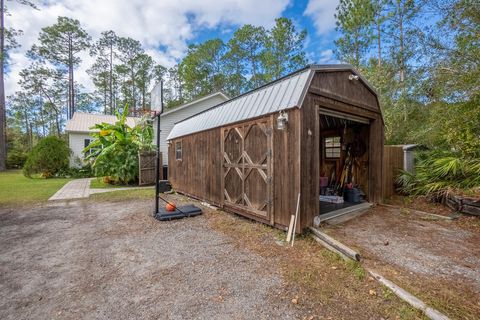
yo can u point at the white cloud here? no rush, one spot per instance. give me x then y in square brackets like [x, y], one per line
[322, 14]
[169, 24]
[327, 57]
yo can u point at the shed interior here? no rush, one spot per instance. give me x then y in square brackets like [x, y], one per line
[344, 146]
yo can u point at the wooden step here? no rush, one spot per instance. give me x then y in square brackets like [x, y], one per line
[346, 213]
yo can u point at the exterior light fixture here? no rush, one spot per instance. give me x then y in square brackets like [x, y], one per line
[352, 77]
[282, 120]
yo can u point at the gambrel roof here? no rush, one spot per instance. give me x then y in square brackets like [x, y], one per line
[282, 94]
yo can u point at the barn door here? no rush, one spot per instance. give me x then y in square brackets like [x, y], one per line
[247, 168]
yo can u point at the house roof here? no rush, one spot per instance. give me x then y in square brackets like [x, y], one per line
[82, 122]
[188, 104]
[282, 94]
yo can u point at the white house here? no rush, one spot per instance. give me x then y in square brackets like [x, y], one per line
[169, 118]
[78, 129]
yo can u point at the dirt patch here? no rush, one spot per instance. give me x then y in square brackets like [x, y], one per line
[105, 258]
[322, 285]
[420, 203]
[438, 260]
[112, 260]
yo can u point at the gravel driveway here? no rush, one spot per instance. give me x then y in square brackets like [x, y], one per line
[114, 261]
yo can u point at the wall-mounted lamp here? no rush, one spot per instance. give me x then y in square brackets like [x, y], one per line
[282, 120]
[352, 77]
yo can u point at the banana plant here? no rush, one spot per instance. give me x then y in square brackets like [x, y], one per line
[114, 149]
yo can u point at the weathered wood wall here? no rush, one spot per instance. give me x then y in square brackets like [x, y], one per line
[203, 172]
[198, 174]
[146, 168]
[392, 163]
[309, 162]
[286, 169]
[293, 165]
[247, 168]
[333, 90]
[335, 85]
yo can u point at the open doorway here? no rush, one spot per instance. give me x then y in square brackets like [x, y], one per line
[344, 163]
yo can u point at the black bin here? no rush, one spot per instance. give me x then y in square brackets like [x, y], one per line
[353, 195]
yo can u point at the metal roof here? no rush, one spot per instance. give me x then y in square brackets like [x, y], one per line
[190, 103]
[284, 93]
[82, 122]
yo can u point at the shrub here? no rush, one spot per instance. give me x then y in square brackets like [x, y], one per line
[16, 159]
[115, 148]
[49, 156]
[440, 172]
[77, 173]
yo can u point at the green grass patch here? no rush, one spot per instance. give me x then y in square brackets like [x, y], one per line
[15, 188]
[98, 183]
[125, 195]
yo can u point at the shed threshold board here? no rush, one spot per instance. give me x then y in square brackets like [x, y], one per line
[348, 208]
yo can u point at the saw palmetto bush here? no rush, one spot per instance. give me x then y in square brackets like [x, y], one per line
[440, 172]
[114, 149]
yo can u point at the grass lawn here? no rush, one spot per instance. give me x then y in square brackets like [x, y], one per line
[99, 184]
[122, 195]
[17, 189]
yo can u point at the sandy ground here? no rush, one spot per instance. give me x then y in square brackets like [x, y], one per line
[438, 257]
[114, 261]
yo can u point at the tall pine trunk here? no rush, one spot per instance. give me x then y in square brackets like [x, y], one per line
[134, 103]
[71, 94]
[401, 38]
[111, 79]
[379, 42]
[3, 133]
[105, 104]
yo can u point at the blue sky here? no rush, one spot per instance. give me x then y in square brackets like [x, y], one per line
[166, 27]
[319, 45]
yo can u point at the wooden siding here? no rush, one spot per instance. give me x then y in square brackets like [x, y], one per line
[392, 163]
[294, 163]
[309, 162]
[335, 85]
[199, 172]
[286, 169]
[247, 167]
[375, 192]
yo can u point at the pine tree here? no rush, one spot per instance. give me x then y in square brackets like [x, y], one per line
[103, 69]
[5, 35]
[284, 49]
[354, 19]
[60, 44]
[202, 69]
[128, 52]
[246, 50]
[46, 83]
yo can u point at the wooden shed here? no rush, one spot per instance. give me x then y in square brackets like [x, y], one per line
[314, 132]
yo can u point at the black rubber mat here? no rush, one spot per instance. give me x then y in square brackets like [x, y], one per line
[181, 212]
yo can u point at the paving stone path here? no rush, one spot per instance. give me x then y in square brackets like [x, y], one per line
[80, 188]
[75, 189]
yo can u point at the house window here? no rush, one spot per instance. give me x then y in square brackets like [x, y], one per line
[332, 147]
[178, 150]
[86, 142]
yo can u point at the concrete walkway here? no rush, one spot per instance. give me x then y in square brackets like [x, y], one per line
[80, 189]
[75, 189]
